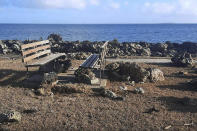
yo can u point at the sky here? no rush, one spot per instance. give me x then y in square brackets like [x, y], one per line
[98, 11]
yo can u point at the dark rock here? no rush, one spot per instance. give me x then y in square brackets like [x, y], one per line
[84, 75]
[184, 60]
[55, 38]
[121, 72]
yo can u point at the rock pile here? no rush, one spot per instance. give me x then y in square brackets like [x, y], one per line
[184, 60]
[126, 72]
[115, 48]
[10, 46]
[133, 72]
[84, 75]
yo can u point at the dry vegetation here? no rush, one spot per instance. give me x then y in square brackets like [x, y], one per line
[89, 111]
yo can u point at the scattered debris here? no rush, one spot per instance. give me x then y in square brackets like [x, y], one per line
[167, 127]
[110, 94]
[124, 88]
[66, 89]
[40, 91]
[149, 111]
[139, 90]
[182, 72]
[186, 124]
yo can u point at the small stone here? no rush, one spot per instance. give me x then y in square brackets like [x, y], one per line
[11, 116]
[131, 83]
[124, 88]
[40, 91]
[183, 73]
[139, 90]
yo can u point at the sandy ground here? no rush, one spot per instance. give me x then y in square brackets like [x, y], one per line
[88, 111]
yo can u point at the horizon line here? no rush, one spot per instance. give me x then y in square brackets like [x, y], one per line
[95, 23]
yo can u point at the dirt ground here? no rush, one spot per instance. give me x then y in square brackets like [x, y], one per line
[88, 111]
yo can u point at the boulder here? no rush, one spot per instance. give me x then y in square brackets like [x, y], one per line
[84, 75]
[126, 71]
[183, 60]
[156, 75]
[10, 116]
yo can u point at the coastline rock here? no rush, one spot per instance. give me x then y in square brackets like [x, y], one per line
[184, 60]
[55, 38]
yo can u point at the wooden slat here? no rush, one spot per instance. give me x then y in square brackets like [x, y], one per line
[45, 60]
[26, 59]
[24, 53]
[94, 62]
[86, 61]
[25, 46]
[91, 61]
[105, 44]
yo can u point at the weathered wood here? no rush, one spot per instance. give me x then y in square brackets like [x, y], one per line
[27, 52]
[44, 60]
[105, 44]
[25, 46]
[91, 61]
[26, 59]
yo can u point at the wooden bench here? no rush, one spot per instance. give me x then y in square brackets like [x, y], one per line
[38, 54]
[93, 59]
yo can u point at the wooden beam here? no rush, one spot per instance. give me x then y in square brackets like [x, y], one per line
[26, 59]
[25, 46]
[24, 53]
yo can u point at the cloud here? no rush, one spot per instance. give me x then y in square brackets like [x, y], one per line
[114, 5]
[78, 4]
[94, 2]
[177, 7]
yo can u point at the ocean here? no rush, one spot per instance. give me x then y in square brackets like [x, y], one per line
[153, 33]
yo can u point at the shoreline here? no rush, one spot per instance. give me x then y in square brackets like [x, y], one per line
[82, 49]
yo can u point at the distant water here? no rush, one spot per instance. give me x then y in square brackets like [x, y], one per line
[123, 32]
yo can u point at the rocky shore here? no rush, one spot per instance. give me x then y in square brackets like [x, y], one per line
[81, 49]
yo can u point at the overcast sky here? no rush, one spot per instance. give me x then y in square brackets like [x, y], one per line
[98, 11]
